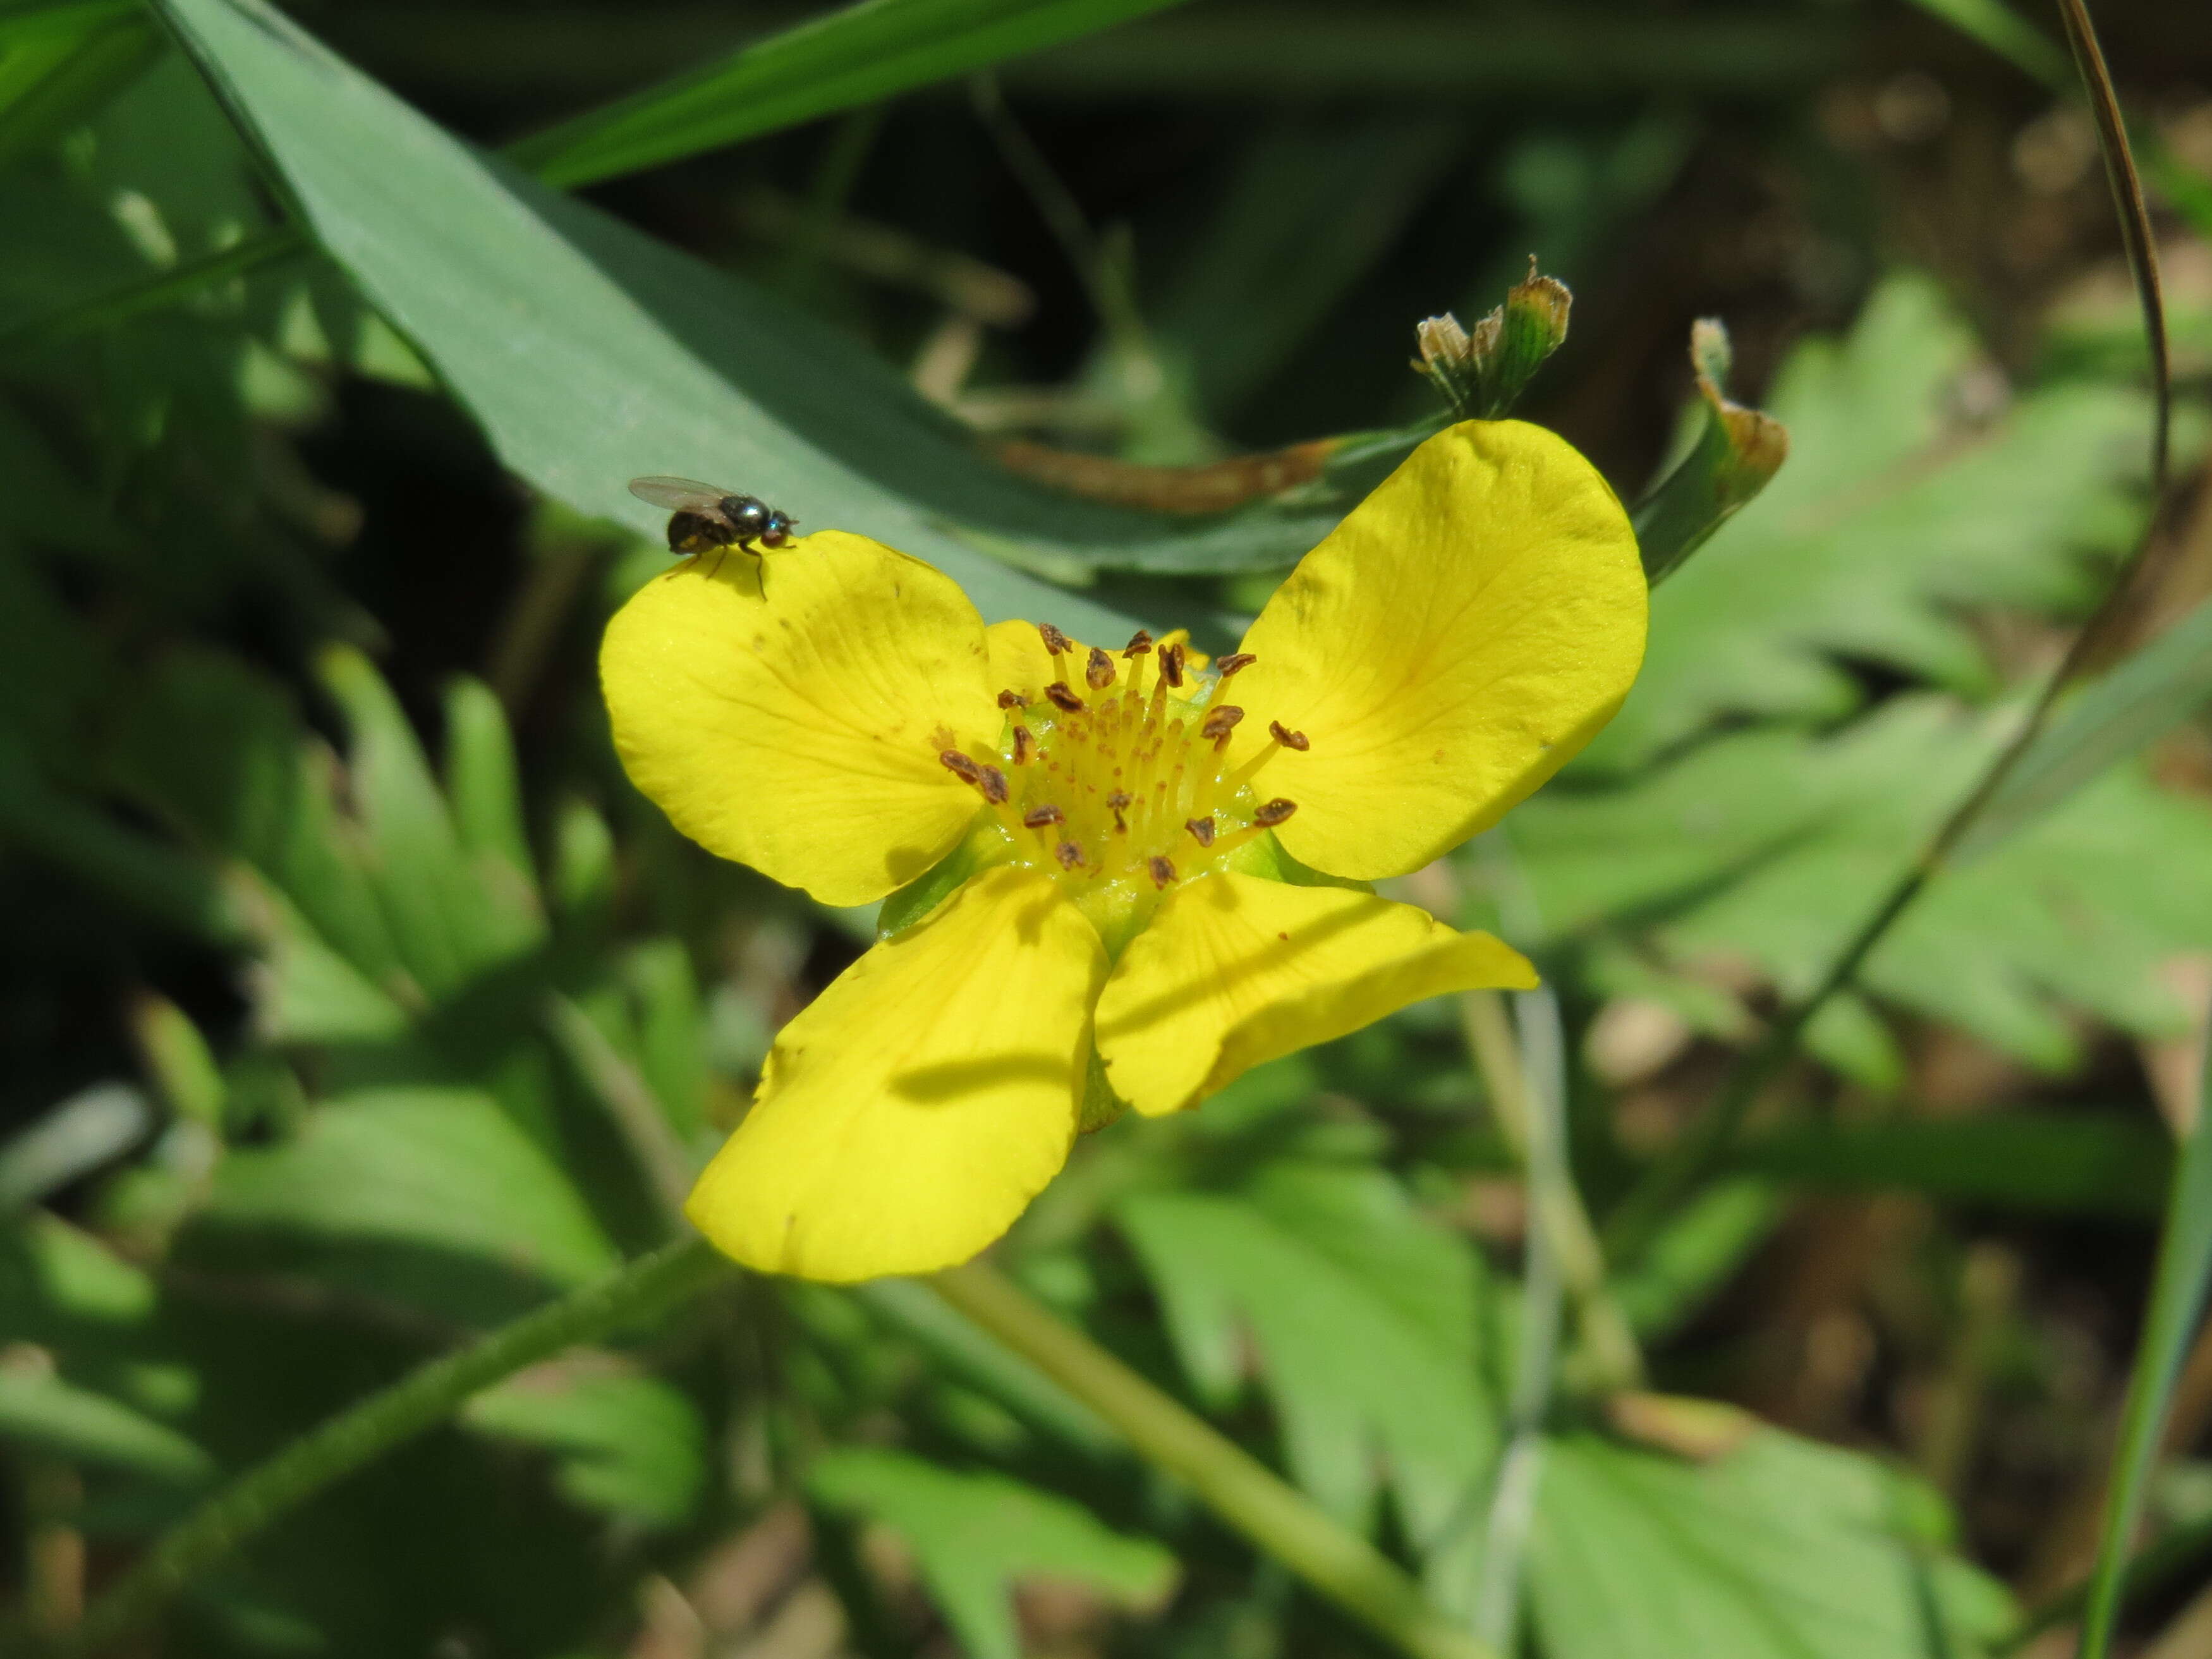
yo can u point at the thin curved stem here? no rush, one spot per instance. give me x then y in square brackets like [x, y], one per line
[345, 1442]
[1236, 1485]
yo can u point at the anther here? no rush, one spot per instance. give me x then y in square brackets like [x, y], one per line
[1220, 722]
[1288, 738]
[1037, 817]
[1201, 830]
[1012, 700]
[961, 766]
[1069, 854]
[1054, 641]
[1140, 642]
[1233, 661]
[1099, 672]
[1274, 812]
[1163, 872]
[1171, 663]
[1024, 745]
[992, 783]
[1063, 699]
[1116, 803]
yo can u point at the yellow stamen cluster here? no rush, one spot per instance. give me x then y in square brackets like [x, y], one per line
[1122, 786]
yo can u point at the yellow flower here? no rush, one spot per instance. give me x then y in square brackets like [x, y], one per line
[1109, 855]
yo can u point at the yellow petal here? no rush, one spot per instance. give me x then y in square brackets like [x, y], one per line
[1450, 646]
[1235, 969]
[799, 733]
[914, 1109]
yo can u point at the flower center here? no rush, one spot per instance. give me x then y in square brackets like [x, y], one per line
[1116, 783]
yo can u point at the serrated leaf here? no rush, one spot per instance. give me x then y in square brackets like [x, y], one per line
[57, 1417]
[449, 923]
[1362, 1317]
[1778, 1548]
[431, 1197]
[628, 1444]
[1771, 846]
[975, 1536]
[1890, 514]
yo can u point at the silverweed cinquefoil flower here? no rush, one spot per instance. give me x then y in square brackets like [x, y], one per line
[1128, 876]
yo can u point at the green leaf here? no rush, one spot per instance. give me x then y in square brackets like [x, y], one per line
[1778, 1547]
[630, 1445]
[450, 924]
[1361, 1313]
[482, 782]
[2042, 1162]
[431, 1197]
[59, 63]
[855, 56]
[91, 1127]
[2131, 707]
[1891, 515]
[612, 355]
[2176, 1301]
[1771, 846]
[975, 1536]
[57, 1417]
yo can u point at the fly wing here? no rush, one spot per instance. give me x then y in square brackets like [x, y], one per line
[679, 495]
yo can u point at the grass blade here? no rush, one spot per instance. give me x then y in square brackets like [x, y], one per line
[2177, 1297]
[856, 56]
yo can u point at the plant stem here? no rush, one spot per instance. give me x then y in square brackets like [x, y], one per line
[1239, 1489]
[355, 1436]
[1614, 1357]
[155, 293]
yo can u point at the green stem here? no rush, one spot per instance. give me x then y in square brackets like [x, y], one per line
[355, 1436]
[1236, 1486]
[1613, 1358]
[155, 293]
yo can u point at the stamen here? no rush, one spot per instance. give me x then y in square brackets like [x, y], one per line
[1012, 700]
[1055, 642]
[1163, 872]
[992, 783]
[1171, 664]
[1220, 722]
[1274, 812]
[1289, 738]
[962, 767]
[1069, 854]
[1116, 803]
[1235, 661]
[1140, 642]
[1063, 699]
[1024, 745]
[1099, 672]
[1038, 817]
[1201, 830]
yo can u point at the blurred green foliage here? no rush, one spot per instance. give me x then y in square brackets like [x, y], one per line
[356, 1006]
